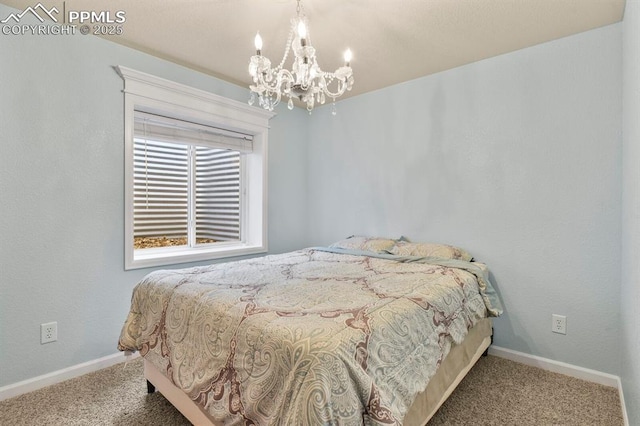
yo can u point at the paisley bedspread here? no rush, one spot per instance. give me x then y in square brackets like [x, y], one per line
[309, 337]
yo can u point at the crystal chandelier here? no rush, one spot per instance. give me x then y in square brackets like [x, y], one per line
[306, 80]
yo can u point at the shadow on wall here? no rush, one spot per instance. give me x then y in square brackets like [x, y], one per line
[504, 325]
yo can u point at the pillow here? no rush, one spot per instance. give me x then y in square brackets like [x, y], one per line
[374, 244]
[442, 251]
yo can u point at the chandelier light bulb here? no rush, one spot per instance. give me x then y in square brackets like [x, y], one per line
[347, 57]
[302, 30]
[258, 43]
[302, 33]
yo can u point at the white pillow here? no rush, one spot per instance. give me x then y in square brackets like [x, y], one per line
[374, 244]
[442, 251]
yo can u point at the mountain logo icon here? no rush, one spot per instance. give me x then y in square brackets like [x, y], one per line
[43, 11]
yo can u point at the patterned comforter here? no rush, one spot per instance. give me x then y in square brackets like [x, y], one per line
[308, 337]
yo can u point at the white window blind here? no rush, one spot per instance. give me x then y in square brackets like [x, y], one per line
[187, 181]
[160, 189]
[217, 194]
[168, 129]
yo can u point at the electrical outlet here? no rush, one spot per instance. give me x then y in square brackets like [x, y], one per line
[559, 324]
[48, 332]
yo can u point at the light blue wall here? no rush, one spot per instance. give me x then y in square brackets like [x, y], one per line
[515, 158]
[630, 294]
[61, 190]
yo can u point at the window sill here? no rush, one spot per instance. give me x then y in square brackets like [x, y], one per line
[147, 258]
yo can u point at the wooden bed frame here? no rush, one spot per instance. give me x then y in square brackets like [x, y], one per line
[452, 370]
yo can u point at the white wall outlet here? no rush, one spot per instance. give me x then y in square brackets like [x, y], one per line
[559, 324]
[48, 332]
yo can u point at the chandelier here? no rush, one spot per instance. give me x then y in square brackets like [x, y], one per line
[306, 80]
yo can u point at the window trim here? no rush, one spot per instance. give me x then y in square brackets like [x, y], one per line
[153, 94]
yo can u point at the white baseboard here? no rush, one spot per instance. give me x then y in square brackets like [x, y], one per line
[564, 368]
[624, 407]
[52, 378]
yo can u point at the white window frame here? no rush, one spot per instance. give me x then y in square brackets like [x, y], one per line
[159, 96]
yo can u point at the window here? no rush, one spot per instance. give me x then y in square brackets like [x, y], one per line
[186, 194]
[195, 174]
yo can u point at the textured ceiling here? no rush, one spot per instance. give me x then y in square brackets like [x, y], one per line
[392, 40]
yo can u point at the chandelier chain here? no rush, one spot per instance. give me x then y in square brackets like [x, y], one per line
[286, 49]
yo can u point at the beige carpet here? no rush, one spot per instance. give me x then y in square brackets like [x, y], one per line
[496, 392]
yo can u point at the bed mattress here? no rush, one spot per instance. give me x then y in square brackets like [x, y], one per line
[315, 336]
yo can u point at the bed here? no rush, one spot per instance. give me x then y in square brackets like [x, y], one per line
[365, 331]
